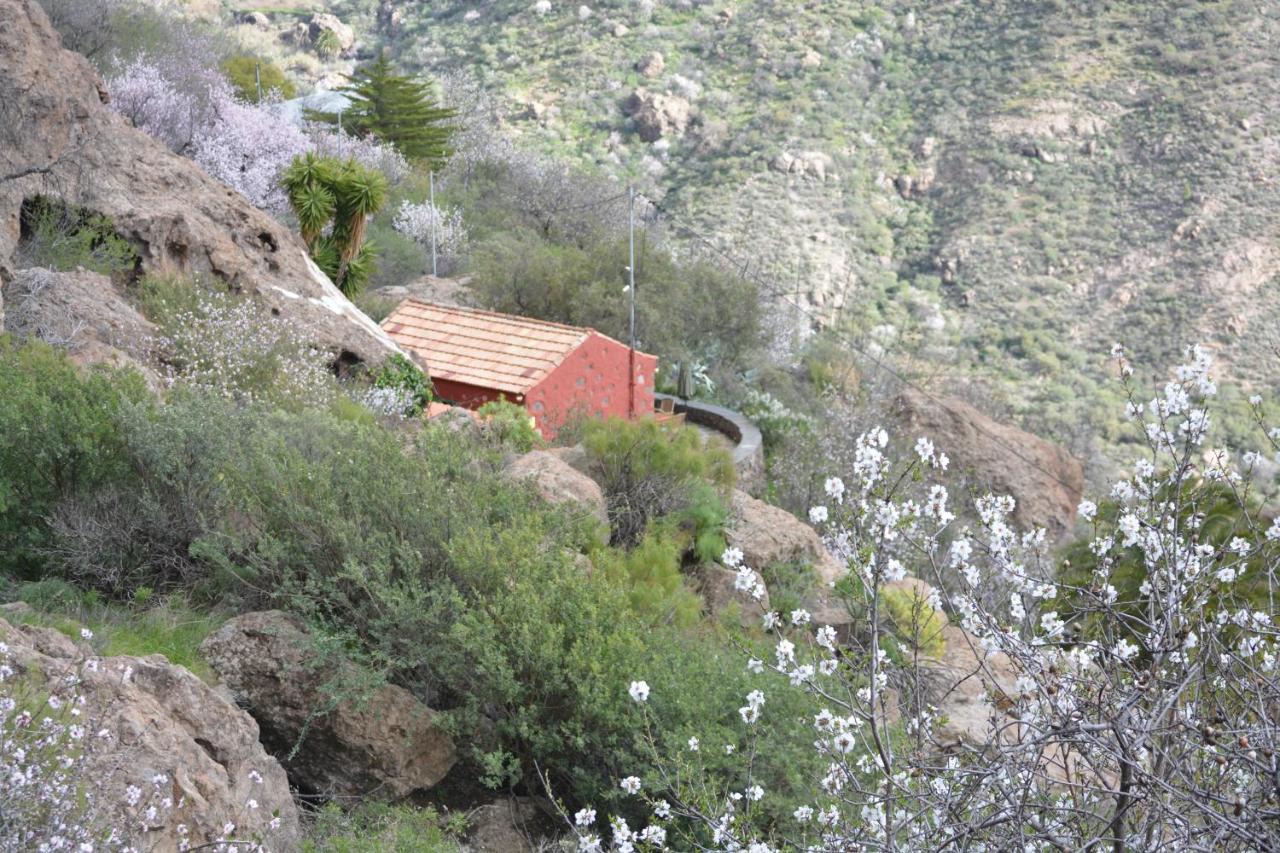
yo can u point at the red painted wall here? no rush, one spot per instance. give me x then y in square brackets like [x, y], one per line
[591, 382]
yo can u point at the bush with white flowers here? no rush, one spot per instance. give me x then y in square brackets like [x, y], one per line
[1137, 716]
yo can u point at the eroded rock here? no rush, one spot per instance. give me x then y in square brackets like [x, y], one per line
[386, 744]
[59, 141]
[657, 115]
[560, 483]
[83, 312]
[1045, 481]
[160, 720]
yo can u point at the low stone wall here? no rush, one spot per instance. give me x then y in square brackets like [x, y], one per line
[748, 445]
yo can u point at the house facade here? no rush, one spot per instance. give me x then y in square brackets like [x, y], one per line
[555, 372]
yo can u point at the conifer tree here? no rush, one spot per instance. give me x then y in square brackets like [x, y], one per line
[397, 110]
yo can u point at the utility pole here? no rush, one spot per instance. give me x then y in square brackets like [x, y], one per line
[435, 217]
[631, 291]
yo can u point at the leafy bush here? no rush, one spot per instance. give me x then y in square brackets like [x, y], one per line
[63, 237]
[144, 528]
[59, 439]
[510, 426]
[650, 572]
[402, 377]
[374, 828]
[245, 73]
[648, 470]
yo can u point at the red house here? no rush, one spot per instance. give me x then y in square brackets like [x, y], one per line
[554, 371]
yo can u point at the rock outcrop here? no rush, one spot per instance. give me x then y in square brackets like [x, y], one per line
[961, 683]
[152, 720]
[716, 585]
[385, 743]
[767, 534]
[657, 115]
[560, 483]
[83, 312]
[651, 65]
[323, 22]
[1045, 481]
[512, 825]
[59, 141]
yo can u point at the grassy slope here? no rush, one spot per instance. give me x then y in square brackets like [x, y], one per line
[1100, 170]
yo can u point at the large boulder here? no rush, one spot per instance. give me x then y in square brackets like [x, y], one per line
[767, 534]
[717, 585]
[59, 141]
[560, 483]
[386, 743]
[158, 728]
[1045, 481]
[513, 825]
[963, 682]
[324, 22]
[83, 312]
[657, 115]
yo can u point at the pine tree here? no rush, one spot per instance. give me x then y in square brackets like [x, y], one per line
[396, 109]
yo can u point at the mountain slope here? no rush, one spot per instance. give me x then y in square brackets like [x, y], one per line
[1002, 187]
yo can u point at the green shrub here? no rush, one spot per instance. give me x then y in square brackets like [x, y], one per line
[63, 237]
[59, 438]
[379, 828]
[244, 72]
[401, 375]
[789, 584]
[510, 426]
[650, 573]
[649, 470]
[145, 531]
[916, 625]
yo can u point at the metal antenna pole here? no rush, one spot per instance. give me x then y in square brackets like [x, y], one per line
[435, 215]
[257, 78]
[631, 291]
[631, 268]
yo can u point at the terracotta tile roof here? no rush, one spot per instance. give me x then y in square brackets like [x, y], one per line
[482, 348]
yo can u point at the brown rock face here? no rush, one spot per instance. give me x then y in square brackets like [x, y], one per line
[961, 683]
[58, 140]
[163, 720]
[716, 585]
[657, 115]
[512, 825]
[1045, 481]
[768, 534]
[388, 743]
[558, 482]
[83, 312]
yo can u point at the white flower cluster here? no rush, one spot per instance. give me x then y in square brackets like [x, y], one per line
[1132, 698]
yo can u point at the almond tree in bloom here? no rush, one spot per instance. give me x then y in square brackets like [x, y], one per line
[193, 110]
[1121, 715]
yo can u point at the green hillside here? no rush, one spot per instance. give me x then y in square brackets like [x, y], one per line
[1010, 186]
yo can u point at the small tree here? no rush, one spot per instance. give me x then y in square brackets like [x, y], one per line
[395, 109]
[339, 195]
[247, 72]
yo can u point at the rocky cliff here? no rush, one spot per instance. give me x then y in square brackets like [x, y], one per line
[58, 141]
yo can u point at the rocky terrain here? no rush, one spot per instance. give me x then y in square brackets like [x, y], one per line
[60, 143]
